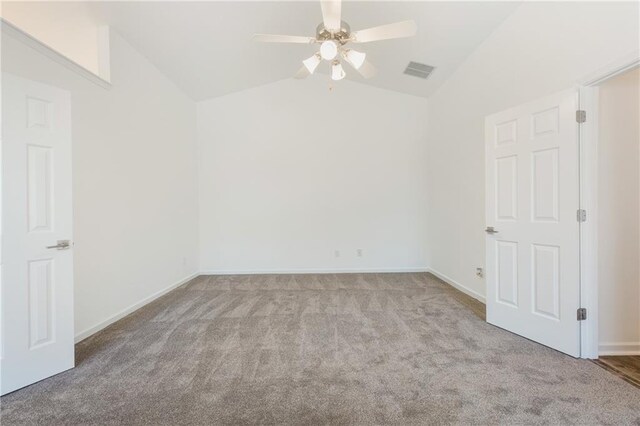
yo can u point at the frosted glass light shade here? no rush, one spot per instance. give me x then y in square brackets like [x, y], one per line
[312, 63]
[328, 50]
[337, 73]
[355, 58]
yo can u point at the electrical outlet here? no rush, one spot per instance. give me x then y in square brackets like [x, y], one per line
[480, 272]
[359, 252]
[336, 253]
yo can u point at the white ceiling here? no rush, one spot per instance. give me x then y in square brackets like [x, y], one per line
[206, 48]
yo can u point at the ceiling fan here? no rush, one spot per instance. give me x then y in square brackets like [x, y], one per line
[333, 35]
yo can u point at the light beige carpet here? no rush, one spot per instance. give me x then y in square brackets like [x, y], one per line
[319, 349]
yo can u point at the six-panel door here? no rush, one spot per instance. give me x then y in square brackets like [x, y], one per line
[37, 282]
[532, 190]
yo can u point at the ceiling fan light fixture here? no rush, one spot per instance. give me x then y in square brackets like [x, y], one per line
[333, 34]
[337, 73]
[355, 58]
[328, 50]
[312, 63]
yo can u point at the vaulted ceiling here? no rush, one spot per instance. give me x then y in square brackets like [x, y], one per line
[206, 48]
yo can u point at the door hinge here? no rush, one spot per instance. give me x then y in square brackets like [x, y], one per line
[581, 116]
[582, 314]
[581, 215]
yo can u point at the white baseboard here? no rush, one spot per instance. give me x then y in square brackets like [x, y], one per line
[619, 348]
[92, 330]
[457, 285]
[312, 271]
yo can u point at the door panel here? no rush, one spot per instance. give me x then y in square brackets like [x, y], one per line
[41, 328]
[507, 272]
[545, 185]
[37, 282]
[507, 188]
[39, 188]
[532, 198]
[546, 280]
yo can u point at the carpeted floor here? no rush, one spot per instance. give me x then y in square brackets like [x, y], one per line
[319, 349]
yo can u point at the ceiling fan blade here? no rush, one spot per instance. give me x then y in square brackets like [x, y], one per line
[331, 14]
[385, 32]
[303, 72]
[275, 38]
[367, 70]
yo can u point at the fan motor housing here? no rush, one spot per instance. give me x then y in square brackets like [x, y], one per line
[341, 36]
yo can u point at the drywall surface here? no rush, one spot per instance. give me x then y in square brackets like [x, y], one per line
[619, 213]
[134, 180]
[540, 49]
[296, 178]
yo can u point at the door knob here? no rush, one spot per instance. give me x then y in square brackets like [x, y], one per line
[490, 230]
[62, 245]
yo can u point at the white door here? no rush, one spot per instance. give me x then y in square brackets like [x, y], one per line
[37, 279]
[532, 241]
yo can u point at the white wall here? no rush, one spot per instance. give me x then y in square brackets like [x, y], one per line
[540, 49]
[134, 180]
[290, 172]
[619, 214]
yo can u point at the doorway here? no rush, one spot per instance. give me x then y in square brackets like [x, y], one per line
[618, 223]
[511, 276]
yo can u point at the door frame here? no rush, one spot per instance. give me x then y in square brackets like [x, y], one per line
[588, 136]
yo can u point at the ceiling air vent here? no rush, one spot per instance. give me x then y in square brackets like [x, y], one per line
[419, 70]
